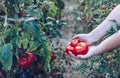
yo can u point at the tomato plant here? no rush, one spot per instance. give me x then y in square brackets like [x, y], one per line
[27, 60]
[28, 26]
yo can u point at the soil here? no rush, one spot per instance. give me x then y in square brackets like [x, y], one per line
[68, 31]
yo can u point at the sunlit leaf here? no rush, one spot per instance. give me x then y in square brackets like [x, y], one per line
[57, 33]
[6, 56]
[26, 26]
[33, 45]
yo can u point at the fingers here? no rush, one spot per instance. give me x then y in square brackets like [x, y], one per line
[82, 57]
[81, 37]
[78, 57]
[89, 54]
[71, 55]
[76, 37]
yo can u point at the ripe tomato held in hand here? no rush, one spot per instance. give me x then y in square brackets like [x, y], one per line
[77, 47]
[26, 61]
[69, 49]
[74, 42]
[81, 48]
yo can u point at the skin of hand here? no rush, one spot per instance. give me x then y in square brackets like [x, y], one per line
[100, 31]
[92, 50]
[84, 38]
[108, 44]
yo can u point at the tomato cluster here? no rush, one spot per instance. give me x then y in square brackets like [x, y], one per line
[77, 47]
[26, 61]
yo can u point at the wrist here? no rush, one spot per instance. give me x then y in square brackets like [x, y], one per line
[93, 51]
[99, 32]
[99, 49]
[91, 39]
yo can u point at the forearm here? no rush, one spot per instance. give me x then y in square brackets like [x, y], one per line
[108, 44]
[106, 25]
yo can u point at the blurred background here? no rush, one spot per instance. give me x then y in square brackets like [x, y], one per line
[45, 28]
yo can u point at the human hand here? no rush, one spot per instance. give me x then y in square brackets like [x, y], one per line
[84, 38]
[87, 39]
[92, 51]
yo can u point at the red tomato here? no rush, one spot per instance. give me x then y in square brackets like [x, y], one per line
[23, 62]
[31, 58]
[81, 48]
[104, 7]
[74, 42]
[77, 47]
[69, 49]
[27, 61]
[52, 56]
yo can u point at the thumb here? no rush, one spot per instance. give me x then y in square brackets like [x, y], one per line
[82, 57]
[76, 37]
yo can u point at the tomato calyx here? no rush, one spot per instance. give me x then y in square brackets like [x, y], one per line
[26, 61]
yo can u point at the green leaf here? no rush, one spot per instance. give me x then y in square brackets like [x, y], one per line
[103, 67]
[25, 39]
[18, 41]
[16, 17]
[47, 67]
[6, 56]
[33, 45]
[50, 19]
[1, 41]
[34, 27]
[115, 28]
[56, 33]
[26, 26]
[34, 11]
[25, 42]
[53, 10]
[47, 54]
[113, 21]
[26, 1]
